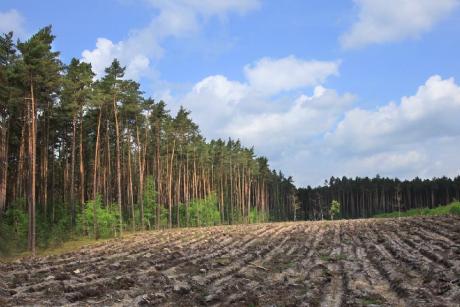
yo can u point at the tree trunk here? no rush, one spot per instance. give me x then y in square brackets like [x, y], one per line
[141, 165]
[158, 166]
[72, 169]
[117, 131]
[3, 165]
[96, 155]
[130, 185]
[82, 169]
[32, 171]
[96, 162]
[170, 184]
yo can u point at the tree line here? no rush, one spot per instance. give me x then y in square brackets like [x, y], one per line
[73, 147]
[366, 197]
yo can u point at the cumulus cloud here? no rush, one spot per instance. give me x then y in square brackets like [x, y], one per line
[208, 7]
[271, 76]
[174, 19]
[431, 113]
[280, 122]
[381, 21]
[306, 117]
[249, 111]
[12, 20]
[314, 136]
[416, 137]
[213, 102]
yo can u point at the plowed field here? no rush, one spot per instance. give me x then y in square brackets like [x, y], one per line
[385, 262]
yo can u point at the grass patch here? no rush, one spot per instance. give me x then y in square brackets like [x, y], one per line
[453, 208]
[333, 258]
[66, 247]
[372, 300]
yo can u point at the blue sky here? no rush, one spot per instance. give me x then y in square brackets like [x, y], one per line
[339, 88]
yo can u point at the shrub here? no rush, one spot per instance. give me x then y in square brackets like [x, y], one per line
[455, 209]
[150, 202]
[335, 209]
[256, 216]
[107, 219]
[14, 228]
[204, 212]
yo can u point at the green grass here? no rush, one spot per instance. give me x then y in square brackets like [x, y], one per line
[71, 245]
[453, 208]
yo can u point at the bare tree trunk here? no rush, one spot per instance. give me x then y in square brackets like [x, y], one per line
[96, 162]
[21, 167]
[187, 190]
[32, 170]
[82, 169]
[108, 191]
[158, 166]
[44, 170]
[170, 184]
[3, 164]
[130, 184]
[72, 168]
[178, 189]
[96, 155]
[141, 165]
[117, 131]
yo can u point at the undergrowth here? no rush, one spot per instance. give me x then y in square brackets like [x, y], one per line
[453, 208]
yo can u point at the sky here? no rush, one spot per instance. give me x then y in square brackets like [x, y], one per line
[336, 88]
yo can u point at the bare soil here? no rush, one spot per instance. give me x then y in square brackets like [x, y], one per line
[373, 262]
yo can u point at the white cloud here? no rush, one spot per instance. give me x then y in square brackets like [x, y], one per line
[416, 137]
[279, 122]
[207, 7]
[313, 137]
[12, 20]
[247, 110]
[271, 76]
[174, 19]
[306, 117]
[431, 113]
[213, 102]
[382, 21]
[391, 162]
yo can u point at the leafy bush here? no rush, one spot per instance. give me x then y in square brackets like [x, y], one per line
[204, 212]
[52, 229]
[256, 216]
[14, 228]
[453, 208]
[150, 202]
[107, 219]
[335, 209]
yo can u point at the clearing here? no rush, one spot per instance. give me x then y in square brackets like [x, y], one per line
[387, 262]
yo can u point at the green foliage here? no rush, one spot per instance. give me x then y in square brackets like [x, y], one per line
[256, 216]
[204, 212]
[163, 217]
[453, 208]
[107, 219]
[335, 209]
[13, 228]
[52, 229]
[150, 202]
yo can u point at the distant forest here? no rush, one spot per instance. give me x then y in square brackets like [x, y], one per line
[96, 157]
[366, 197]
